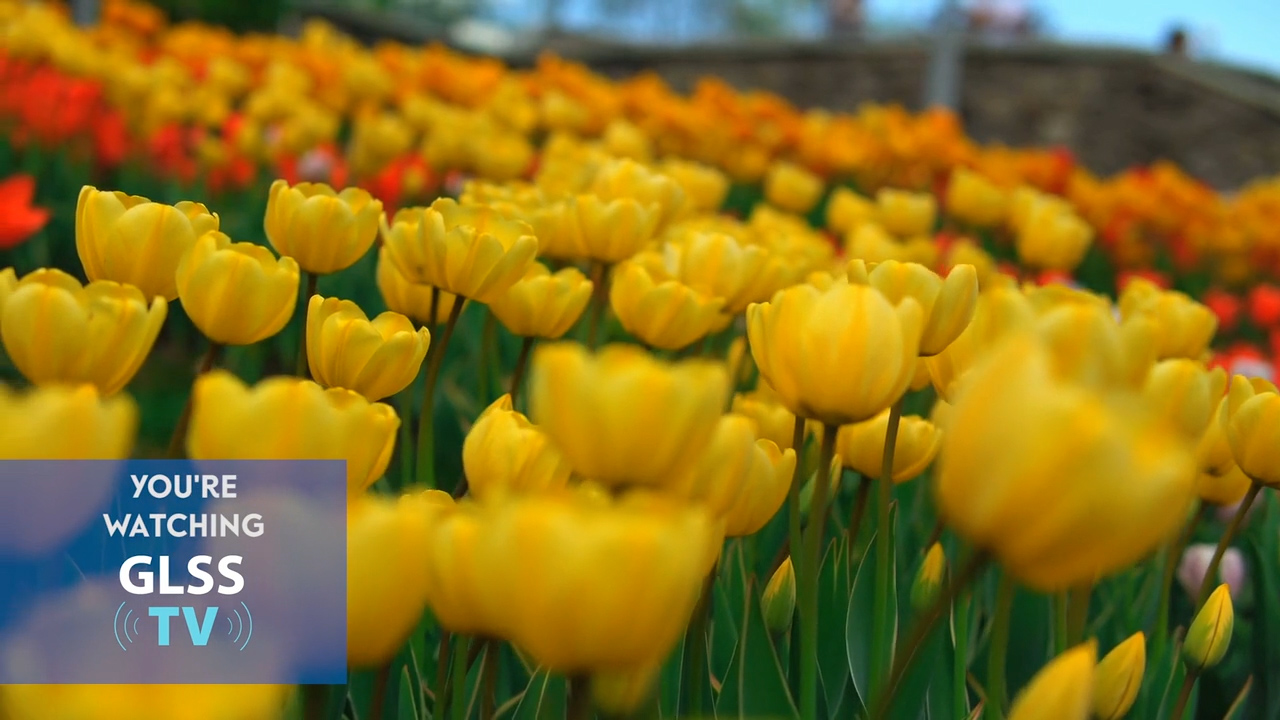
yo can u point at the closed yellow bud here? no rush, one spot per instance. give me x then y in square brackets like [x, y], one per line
[861, 446]
[286, 418]
[973, 199]
[1053, 237]
[869, 349]
[1251, 417]
[792, 188]
[1184, 327]
[1000, 311]
[611, 231]
[543, 304]
[904, 213]
[705, 187]
[948, 304]
[325, 231]
[504, 453]
[468, 250]
[1062, 690]
[56, 331]
[66, 423]
[779, 599]
[236, 293]
[666, 314]
[386, 576]
[131, 240]
[1210, 632]
[928, 580]
[637, 570]
[621, 416]
[846, 210]
[376, 358]
[1119, 677]
[413, 300]
[773, 421]
[623, 178]
[1074, 466]
[1187, 393]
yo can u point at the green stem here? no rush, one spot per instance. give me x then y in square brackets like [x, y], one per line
[405, 408]
[599, 298]
[426, 436]
[489, 680]
[443, 659]
[1078, 599]
[903, 660]
[998, 653]
[697, 643]
[488, 353]
[1172, 558]
[302, 370]
[1188, 683]
[860, 502]
[522, 362]
[579, 698]
[379, 692]
[313, 701]
[458, 704]
[813, 538]
[1211, 574]
[792, 544]
[433, 320]
[882, 629]
[960, 668]
[179, 437]
[1061, 601]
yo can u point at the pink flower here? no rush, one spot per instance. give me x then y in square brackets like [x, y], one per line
[1195, 563]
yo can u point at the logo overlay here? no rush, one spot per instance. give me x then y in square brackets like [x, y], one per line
[173, 571]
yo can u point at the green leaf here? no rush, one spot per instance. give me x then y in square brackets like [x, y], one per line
[755, 685]
[670, 679]
[726, 621]
[546, 698]
[833, 607]
[1030, 642]
[926, 688]
[1261, 550]
[1236, 711]
[860, 620]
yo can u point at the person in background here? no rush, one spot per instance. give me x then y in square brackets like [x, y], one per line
[1176, 41]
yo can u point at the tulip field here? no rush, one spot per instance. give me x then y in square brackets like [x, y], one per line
[653, 404]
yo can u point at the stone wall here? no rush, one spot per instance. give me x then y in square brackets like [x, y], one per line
[1113, 108]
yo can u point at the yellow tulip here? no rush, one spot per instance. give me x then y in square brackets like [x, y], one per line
[719, 265]
[504, 453]
[620, 692]
[667, 314]
[705, 187]
[740, 478]
[57, 331]
[286, 418]
[611, 231]
[965, 252]
[792, 188]
[1063, 483]
[773, 421]
[1062, 690]
[8, 283]
[779, 599]
[621, 416]
[623, 178]
[1210, 633]
[905, 213]
[475, 252]
[413, 300]
[543, 304]
[1088, 345]
[325, 231]
[144, 702]
[861, 446]
[386, 577]
[1220, 481]
[1251, 418]
[130, 240]
[66, 423]
[873, 244]
[236, 293]
[376, 358]
[1187, 393]
[846, 210]
[457, 576]
[635, 570]
[1184, 326]
[973, 199]
[948, 304]
[928, 580]
[558, 225]
[501, 154]
[867, 355]
[1000, 311]
[1119, 677]
[625, 140]
[1053, 237]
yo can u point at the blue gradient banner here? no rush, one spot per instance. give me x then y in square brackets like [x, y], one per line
[175, 572]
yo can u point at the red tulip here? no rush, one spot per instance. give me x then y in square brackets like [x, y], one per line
[1264, 306]
[1225, 305]
[19, 219]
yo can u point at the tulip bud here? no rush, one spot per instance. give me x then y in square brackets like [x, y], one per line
[665, 314]
[1210, 633]
[779, 601]
[924, 590]
[236, 293]
[705, 187]
[1251, 421]
[847, 209]
[542, 304]
[413, 300]
[1185, 392]
[905, 213]
[974, 199]
[324, 230]
[376, 358]
[861, 445]
[1062, 690]
[792, 187]
[1119, 677]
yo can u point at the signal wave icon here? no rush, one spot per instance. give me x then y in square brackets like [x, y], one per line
[239, 625]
